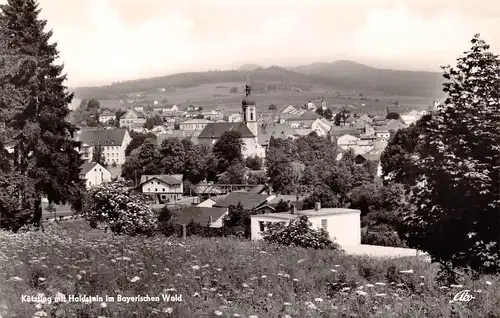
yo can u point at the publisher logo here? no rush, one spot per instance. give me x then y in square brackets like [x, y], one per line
[462, 296]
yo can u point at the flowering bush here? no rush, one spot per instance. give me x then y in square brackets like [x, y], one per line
[299, 233]
[116, 206]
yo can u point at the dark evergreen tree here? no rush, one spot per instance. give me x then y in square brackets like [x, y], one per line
[46, 159]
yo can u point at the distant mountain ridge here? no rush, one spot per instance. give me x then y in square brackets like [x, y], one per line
[347, 75]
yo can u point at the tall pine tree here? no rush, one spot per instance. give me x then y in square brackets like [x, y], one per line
[45, 155]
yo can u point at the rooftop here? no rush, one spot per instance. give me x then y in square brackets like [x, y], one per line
[197, 214]
[215, 130]
[109, 137]
[321, 212]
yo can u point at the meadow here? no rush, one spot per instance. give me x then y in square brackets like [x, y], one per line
[218, 278]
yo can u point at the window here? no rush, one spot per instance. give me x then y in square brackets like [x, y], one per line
[324, 224]
[156, 189]
[261, 226]
[251, 116]
[163, 189]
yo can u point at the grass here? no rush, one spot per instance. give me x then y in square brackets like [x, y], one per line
[220, 277]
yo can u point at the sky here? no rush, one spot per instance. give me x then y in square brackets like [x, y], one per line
[101, 41]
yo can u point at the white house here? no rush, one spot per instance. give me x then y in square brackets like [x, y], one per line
[320, 127]
[113, 143]
[139, 108]
[167, 187]
[94, 174]
[194, 124]
[343, 225]
[235, 118]
[132, 118]
[346, 141]
[311, 106]
[165, 108]
[106, 116]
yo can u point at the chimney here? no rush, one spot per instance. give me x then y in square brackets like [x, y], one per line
[289, 205]
[294, 209]
[210, 220]
[317, 206]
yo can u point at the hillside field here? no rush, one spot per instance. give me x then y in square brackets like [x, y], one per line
[211, 96]
[219, 277]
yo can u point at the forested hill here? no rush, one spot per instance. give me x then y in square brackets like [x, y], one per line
[341, 75]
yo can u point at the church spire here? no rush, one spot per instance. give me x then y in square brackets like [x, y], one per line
[248, 87]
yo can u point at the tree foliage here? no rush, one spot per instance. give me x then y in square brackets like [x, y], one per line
[392, 115]
[455, 202]
[34, 103]
[227, 149]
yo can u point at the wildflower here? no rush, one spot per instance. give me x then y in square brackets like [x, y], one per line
[219, 269]
[263, 276]
[295, 280]
[168, 310]
[78, 276]
[345, 289]
[333, 270]
[301, 260]
[370, 285]
[318, 300]
[195, 267]
[488, 283]
[245, 285]
[478, 291]
[40, 314]
[270, 295]
[134, 279]
[104, 305]
[407, 271]
[41, 279]
[286, 304]
[253, 316]
[16, 279]
[310, 305]
[362, 293]
[456, 286]
[380, 284]
[196, 294]
[38, 306]
[236, 315]
[218, 313]
[381, 295]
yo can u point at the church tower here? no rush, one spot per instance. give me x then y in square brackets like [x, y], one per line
[249, 109]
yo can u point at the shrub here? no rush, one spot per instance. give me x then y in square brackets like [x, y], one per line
[299, 233]
[114, 205]
[386, 238]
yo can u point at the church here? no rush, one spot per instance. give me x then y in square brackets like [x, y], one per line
[248, 128]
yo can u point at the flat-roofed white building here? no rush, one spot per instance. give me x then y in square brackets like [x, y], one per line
[343, 225]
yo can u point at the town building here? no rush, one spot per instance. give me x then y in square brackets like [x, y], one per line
[113, 143]
[94, 174]
[342, 225]
[106, 116]
[248, 129]
[132, 119]
[235, 118]
[163, 188]
[194, 124]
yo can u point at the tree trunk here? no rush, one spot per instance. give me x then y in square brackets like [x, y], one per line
[37, 216]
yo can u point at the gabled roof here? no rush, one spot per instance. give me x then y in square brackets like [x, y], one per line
[198, 214]
[215, 130]
[305, 117]
[109, 137]
[87, 166]
[275, 130]
[196, 121]
[340, 131]
[167, 179]
[258, 189]
[249, 201]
